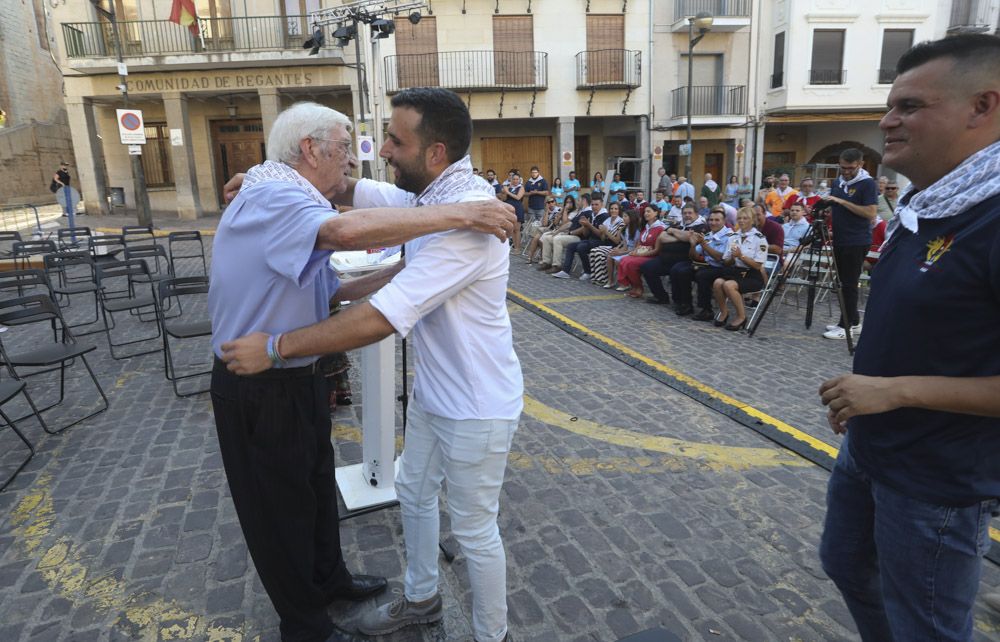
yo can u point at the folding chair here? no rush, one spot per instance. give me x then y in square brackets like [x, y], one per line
[156, 260]
[187, 239]
[7, 239]
[771, 264]
[30, 281]
[71, 273]
[185, 326]
[22, 251]
[138, 234]
[72, 238]
[9, 390]
[130, 296]
[105, 247]
[24, 311]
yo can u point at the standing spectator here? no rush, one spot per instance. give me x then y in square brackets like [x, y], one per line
[882, 182]
[536, 189]
[744, 261]
[597, 183]
[823, 189]
[557, 191]
[604, 257]
[491, 178]
[616, 188]
[733, 191]
[805, 195]
[684, 189]
[855, 198]
[711, 190]
[671, 247]
[628, 270]
[745, 191]
[795, 228]
[514, 195]
[664, 183]
[887, 201]
[60, 180]
[766, 187]
[573, 186]
[730, 213]
[706, 247]
[661, 201]
[676, 214]
[775, 199]
[910, 498]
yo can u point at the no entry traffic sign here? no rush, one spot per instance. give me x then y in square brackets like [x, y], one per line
[130, 128]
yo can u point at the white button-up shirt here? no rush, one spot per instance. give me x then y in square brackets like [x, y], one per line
[452, 295]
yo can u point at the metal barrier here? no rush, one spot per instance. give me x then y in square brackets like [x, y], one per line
[17, 218]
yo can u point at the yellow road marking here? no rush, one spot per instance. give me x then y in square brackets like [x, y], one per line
[577, 299]
[680, 376]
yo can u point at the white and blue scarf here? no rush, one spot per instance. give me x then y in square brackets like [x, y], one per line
[456, 181]
[273, 171]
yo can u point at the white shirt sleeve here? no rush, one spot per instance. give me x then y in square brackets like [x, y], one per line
[369, 193]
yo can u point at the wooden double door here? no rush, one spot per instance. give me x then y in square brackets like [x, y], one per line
[237, 145]
[518, 152]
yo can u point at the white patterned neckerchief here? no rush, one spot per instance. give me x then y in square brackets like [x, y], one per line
[975, 180]
[273, 171]
[455, 181]
[860, 176]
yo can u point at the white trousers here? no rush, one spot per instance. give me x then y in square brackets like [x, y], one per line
[471, 455]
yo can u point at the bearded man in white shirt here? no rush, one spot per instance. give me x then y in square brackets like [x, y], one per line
[467, 393]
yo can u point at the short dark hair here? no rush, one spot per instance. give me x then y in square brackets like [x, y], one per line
[852, 155]
[967, 47]
[533, 168]
[444, 118]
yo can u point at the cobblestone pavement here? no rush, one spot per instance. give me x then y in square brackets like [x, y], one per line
[627, 505]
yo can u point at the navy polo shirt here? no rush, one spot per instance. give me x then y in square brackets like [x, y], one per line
[536, 201]
[934, 310]
[849, 228]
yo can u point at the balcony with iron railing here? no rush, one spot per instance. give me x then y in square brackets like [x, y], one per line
[468, 71]
[153, 38]
[710, 100]
[608, 69]
[728, 15]
[827, 76]
[969, 16]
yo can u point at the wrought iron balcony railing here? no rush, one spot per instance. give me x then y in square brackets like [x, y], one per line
[827, 76]
[162, 37]
[468, 70]
[969, 16]
[718, 8]
[608, 69]
[711, 100]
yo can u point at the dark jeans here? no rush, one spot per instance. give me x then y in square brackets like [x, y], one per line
[567, 264]
[583, 250]
[658, 267]
[274, 436]
[849, 260]
[908, 570]
[681, 278]
[705, 277]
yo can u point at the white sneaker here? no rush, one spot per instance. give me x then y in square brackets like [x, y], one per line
[585, 276]
[561, 274]
[838, 332]
[608, 285]
[622, 288]
[831, 327]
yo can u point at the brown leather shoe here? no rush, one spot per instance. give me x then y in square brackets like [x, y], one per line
[544, 266]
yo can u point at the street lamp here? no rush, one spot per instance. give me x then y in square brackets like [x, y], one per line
[702, 22]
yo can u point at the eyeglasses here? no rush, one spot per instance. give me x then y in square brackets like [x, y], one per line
[892, 188]
[346, 146]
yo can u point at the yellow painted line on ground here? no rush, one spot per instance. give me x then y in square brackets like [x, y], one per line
[680, 376]
[144, 615]
[577, 299]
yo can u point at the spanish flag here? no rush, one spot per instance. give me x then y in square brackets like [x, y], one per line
[184, 14]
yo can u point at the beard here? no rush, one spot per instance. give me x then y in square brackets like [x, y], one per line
[412, 177]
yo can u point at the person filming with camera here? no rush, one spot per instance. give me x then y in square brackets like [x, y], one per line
[853, 205]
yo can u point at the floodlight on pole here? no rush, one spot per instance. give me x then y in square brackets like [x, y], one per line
[703, 23]
[414, 18]
[382, 28]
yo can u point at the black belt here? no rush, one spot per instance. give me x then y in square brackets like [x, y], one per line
[275, 373]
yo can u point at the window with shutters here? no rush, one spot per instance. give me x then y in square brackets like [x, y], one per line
[605, 49]
[417, 53]
[156, 156]
[895, 42]
[513, 46]
[827, 57]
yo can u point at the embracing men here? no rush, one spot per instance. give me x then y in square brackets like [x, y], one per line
[468, 387]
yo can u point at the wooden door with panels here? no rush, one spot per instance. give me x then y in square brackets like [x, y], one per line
[518, 152]
[237, 145]
[605, 49]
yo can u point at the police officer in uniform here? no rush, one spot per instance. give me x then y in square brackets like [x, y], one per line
[704, 248]
[744, 259]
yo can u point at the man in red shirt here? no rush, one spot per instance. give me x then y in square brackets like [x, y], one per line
[806, 195]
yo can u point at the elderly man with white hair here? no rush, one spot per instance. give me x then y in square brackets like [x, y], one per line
[271, 273]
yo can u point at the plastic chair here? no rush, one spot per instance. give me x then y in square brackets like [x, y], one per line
[71, 273]
[187, 239]
[156, 260]
[22, 251]
[9, 390]
[73, 238]
[138, 234]
[61, 353]
[129, 296]
[105, 247]
[24, 280]
[185, 326]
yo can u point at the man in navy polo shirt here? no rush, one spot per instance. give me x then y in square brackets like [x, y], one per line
[536, 189]
[855, 198]
[916, 482]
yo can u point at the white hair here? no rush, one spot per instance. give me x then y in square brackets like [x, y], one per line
[301, 120]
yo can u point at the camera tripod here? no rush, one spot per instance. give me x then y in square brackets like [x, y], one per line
[812, 249]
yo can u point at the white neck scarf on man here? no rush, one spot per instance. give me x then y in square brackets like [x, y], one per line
[454, 182]
[975, 180]
[712, 185]
[273, 171]
[860, 176]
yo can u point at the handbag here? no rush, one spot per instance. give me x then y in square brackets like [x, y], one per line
[54, 186]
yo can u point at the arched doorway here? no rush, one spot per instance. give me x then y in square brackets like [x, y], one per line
[831, 153]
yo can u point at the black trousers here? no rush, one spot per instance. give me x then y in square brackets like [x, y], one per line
[681, 278]
[850, 260]
[705, 277]
[658, 267]
[274, 435]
